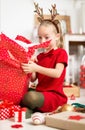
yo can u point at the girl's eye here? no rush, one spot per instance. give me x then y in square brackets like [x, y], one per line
[40, 38]
[46, 37]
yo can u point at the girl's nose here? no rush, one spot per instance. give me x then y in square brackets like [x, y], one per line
[42, 40]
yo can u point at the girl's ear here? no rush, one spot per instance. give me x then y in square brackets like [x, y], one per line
[57, 36]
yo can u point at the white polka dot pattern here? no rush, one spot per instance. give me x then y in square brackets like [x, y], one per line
[13, 81]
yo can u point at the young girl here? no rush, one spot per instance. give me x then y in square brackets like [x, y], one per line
[49, 69]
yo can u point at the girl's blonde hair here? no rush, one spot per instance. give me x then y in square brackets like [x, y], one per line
[57, 29]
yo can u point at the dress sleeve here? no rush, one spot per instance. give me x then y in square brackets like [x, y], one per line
[63, 57]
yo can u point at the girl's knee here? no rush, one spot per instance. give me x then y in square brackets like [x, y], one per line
[29, 98]
[33, 99]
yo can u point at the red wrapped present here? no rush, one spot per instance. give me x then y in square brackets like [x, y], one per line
[13, 81]
[7, 109]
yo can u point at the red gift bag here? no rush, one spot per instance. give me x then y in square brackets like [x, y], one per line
[13, 81]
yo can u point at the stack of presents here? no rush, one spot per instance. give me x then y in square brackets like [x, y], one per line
[13, 85]
[9, 110]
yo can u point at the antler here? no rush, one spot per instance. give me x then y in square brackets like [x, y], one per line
[53, 12]
[39, 11]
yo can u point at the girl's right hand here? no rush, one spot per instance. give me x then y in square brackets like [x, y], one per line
[29, 67]
[34, 59]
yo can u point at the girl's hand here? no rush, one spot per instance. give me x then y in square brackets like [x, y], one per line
[34, 58]
[29, 67]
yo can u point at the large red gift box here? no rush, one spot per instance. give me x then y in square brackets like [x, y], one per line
[7, 109]
[13, 81]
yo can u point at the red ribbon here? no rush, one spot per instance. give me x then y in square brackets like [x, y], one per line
[20, 116]
[5, 104]
[76, 117]
[22, 38]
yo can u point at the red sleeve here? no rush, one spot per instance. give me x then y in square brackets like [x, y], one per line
[63, 57]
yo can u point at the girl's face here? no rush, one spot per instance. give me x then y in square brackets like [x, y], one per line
[45, 33]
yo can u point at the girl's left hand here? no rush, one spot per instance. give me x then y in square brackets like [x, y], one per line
[29, 67]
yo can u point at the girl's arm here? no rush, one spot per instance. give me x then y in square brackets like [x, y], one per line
[52, 72]
[33, 77]
[55, 72]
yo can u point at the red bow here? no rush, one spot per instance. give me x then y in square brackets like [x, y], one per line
[5, 104]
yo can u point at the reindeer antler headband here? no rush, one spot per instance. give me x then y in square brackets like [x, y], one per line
[53, 12]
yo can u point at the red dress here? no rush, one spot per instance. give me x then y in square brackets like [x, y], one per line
[52, 88]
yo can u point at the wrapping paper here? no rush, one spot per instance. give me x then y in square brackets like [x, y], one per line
[7, 109]
[66, 120]
[21, 38]
[13, 81]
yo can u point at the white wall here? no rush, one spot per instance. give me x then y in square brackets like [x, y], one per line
[83, 17]
[17, 16]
